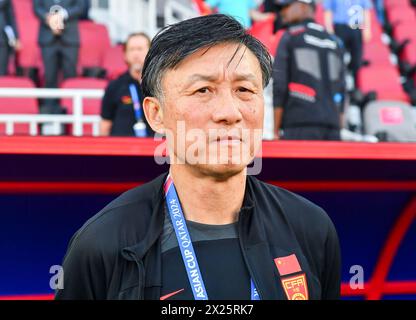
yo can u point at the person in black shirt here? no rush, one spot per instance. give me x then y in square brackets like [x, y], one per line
[308, 77]
[117, 108]
[206, 229]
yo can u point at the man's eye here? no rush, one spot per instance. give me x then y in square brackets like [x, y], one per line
[242, 89]
[202, 90]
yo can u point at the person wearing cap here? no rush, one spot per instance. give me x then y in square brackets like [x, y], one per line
[206, 229]
[308, 77]
[350, 20]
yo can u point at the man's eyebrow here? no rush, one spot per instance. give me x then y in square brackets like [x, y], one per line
[245, 77]
[200, 77]
[213, 77]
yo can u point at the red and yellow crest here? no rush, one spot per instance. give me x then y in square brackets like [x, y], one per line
[296, 287]
[126, 100]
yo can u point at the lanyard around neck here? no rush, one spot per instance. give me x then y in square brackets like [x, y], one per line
[186, 247]
[136, 102]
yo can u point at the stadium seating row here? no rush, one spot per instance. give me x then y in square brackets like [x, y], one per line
[30, 106]
[376, 52]
[402, 19]
[96, 53]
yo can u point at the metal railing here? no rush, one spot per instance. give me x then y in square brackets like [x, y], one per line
[77, 118]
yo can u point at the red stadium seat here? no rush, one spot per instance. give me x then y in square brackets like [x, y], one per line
[389, 4]
[376, 28]
[263, 31]
[319, 14]
[403, 13]
[30, 55]
[23, 8]
[17, 105]
[409, 52]
[114, 62]
[406, 32]
[384, 80]
[377, 53]
[275, 41]
[95, 42]
[202, 7]
[28, 27]
[91, 106]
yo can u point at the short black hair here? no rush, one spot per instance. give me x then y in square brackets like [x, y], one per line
[176, 42]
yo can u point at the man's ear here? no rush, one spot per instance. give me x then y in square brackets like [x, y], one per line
[154, 114]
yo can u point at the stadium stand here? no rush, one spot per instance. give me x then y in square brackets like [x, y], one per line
[401, 21]
[380, 67]
[95, 42]
[91, 106]
[263, 30]
[390, 121]
[29, 57]
[395, 65]
[113, 62]
[17, 105]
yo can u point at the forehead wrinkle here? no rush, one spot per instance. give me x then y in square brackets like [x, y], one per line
[243, 76]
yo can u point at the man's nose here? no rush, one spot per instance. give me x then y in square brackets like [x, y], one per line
[227, 109]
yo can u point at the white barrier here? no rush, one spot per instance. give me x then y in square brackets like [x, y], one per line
[77, 118]
[176, 11]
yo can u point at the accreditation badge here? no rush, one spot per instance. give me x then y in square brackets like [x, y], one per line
[140, 129]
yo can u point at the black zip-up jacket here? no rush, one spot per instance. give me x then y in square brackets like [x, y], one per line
[117, 253]
[309, 77]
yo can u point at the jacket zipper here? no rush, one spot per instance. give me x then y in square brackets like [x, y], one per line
[141, 279]
[250, 271]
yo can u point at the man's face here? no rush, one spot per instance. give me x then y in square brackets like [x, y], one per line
[214, 100]
[293, 12]
[136, 50]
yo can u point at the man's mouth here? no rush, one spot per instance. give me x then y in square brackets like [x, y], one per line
[229, 140]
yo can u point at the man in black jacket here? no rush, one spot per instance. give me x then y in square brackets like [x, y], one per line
[59, 37]
[9, 35]
[121, 106]
[308, 77]
[205, 230]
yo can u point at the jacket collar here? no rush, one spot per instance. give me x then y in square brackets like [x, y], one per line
[256, 249]
[252, 236]
[138, 251]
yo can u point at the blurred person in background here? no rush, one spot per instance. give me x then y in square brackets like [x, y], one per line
[243, 10]
[271, 7]
[87, 7]
[9, 38]
[59, 40]
[308, 77]
[350, 20]
[379, 5]
[121, 109]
